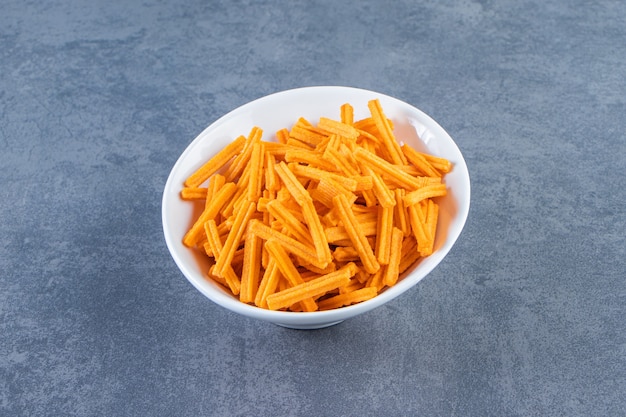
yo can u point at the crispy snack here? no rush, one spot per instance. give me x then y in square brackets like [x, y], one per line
[313, 288]
[326, 216]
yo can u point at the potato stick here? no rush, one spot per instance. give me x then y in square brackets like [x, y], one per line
[353, 297]
[356, 233]
[233, 239]
[429, 191]
[363, 134]
[383, 167]
[419, 231]
[400, 215]
[317, 232]
[191, 237]
[301, 250]
[217, 279]
[409, 255]
[376, 280]
[347, 114]
[338, 128]
[288, 270]
[255, 169]
[313, 288]
[440, 164]
[215, 163]
[312, 269]
[413, 171]
[306, 134]
[392, 272]
[239, 163]
[419, 161]
[193, 193]
[338, 233]
[312, 158]
[383, 194]
[271, 182]
[326, 189]
[216, 182]
[232, 280]
[369, 124]
[386, 133]
[268, 285]
[339, 160]
[282, 135]
[292, 184]
[250, 272]
[352, 286]
[318, 174]
[431, 225]
[278, 149]
[290, 222]
[384, 234]
[296, 144]
[345, 254]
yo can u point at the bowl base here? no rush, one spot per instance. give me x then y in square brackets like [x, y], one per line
[308, 327]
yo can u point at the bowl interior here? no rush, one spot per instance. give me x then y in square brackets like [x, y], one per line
[281, 110]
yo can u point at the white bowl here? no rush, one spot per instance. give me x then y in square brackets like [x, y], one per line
[280, 110]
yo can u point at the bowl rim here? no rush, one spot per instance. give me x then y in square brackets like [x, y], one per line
[289, 318]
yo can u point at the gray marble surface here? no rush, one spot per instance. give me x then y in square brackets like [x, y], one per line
[524, 317]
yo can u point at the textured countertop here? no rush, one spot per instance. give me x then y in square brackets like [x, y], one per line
[526, 315]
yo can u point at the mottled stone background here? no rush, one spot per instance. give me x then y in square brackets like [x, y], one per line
[524, 317]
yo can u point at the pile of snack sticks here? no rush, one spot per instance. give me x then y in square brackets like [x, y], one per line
[325, 216]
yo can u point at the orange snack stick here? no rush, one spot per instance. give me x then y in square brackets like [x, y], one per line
[419, 229]
[313, 288]
[392, 271]
[337, 234]
[292, 184]
[282, 135]
[384, 167]
[193, 193]
[432, 215]
[241, 160]
[215, 163]
[271, 182]
[289, 221]
[322, 249]
[386, 133]
[251, 270]
[234, 236]
[383, 234]
[317, 174]
[216, 182]
[193, 235]
[356, 234]
[440, 164]
[268, 285]
[400, 214]
[337, 128]
[383, 194]
[309, 157]
[347, 114]
[409, 254]
[213, 239]
[305, 132]
[255, 172]
[348, 298]
[428, 191]
[419, 161]
[301, 250]
[288, 270]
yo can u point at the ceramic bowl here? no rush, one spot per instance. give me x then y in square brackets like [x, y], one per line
[280, 110]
